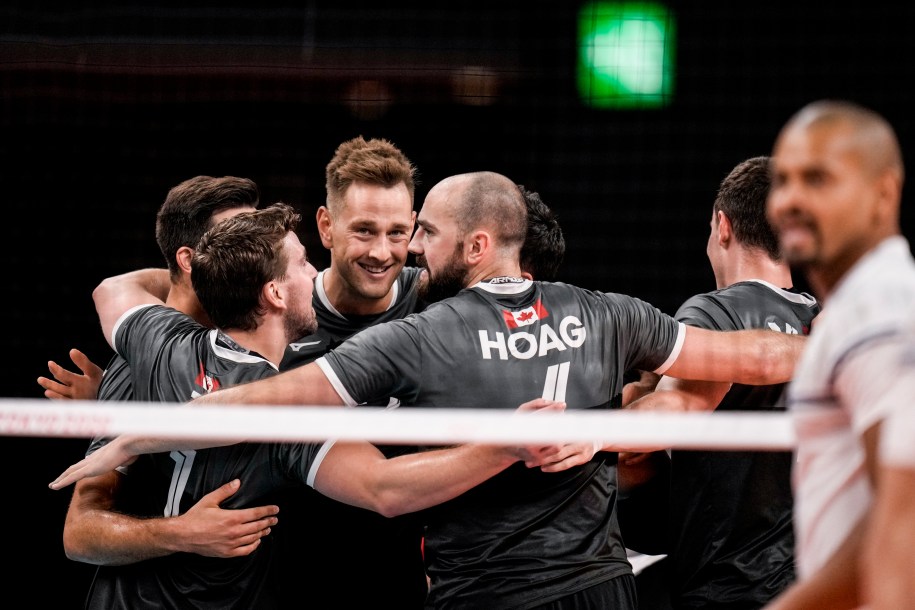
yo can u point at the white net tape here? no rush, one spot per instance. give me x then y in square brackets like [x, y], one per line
[627, 429]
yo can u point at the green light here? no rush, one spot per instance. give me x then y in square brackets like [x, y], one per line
[626, 54]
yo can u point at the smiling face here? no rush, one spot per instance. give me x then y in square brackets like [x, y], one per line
[368, 236]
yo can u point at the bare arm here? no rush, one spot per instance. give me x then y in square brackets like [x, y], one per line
[69, 385]
[888, 561]
[672, 394]
[359, 474]
[635, 468]
[751, 357]
[634, 390]
[116, 295]
[306, 385]
[94, 532]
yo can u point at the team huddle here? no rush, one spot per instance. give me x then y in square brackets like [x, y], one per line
[241, 316]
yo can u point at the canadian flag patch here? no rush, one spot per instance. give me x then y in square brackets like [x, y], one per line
[526, 316]
[208, 383]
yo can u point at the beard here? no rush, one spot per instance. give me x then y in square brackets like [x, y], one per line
[445, 283]
[300, 321]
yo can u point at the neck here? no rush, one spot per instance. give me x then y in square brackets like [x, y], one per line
[269, 340]
[482, 274]
[755, 265]
[184, 299]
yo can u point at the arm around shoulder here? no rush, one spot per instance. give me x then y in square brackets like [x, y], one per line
[750, 357]
[116, 295]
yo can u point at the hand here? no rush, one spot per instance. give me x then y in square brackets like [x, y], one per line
[68, 385]
[556, 458]
[634, 468]
[212, 531]
[634, 390]
[105, 459]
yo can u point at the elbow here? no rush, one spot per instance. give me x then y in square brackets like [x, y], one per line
[75, 550]
[102, 292]
[390, 505]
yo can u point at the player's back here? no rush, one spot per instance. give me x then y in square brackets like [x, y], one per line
[523, 536]
[731, 511]
[173, 359]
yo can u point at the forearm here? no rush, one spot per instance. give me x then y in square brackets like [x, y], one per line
[406, 483]
[777, 356]
[305, 385]
[750, 357]
[139, 445]
[664, 400]
[95, 533]
[425, 479]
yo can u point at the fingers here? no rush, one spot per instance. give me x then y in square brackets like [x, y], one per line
[221, 493]
[556, 458]
[245, 549]
[542, 404]
[88, 367]
[59, 387]
[52, 389]
[69, 476]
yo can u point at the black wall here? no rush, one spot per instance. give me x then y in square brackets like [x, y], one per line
[105, 108]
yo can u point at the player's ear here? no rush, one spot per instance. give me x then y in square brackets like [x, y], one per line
[325, 227]
[477, 246]
[273, 295]
[725, 232]
[183, 257]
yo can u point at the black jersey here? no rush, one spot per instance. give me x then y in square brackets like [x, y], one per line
[335, 327]
[345, 544]
[524, 537]
[116, 385]
[731, 511]
[173, 359]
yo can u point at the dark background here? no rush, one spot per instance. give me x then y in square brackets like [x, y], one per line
[104, 108]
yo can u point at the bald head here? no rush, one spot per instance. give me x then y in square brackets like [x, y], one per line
[837, 177]
[487, 200]
[868, 135]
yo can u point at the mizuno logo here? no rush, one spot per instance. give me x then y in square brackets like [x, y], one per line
[297, 346]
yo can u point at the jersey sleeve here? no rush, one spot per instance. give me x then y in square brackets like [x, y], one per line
[649, 338]
[301, 461]
[378, 363]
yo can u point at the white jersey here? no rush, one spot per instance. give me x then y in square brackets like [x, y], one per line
[845, 383]
[898, 430]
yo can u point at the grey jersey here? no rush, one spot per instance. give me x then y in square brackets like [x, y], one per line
[525, 537]
[173, 359]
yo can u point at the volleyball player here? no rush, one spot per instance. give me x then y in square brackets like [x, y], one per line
[527, 537]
